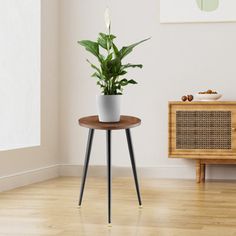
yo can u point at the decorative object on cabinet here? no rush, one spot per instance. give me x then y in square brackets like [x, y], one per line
[209, 95]
[187, 98]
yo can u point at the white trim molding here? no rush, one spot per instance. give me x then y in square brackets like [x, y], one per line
[28, 177]
[167, 172]
[160, 172]
[220, 172]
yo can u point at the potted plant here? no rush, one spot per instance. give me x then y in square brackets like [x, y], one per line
[110, 71]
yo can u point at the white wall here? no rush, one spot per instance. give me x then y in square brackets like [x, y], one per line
[44, 157]
[180, 59]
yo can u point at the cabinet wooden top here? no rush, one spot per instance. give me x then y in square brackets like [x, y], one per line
[125, 122]
[203, 103]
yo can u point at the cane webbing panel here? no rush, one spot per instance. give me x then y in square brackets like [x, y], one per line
[203, 130]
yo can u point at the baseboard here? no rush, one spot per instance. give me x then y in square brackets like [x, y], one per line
[28, 177]
[214, 172]
[162, 172]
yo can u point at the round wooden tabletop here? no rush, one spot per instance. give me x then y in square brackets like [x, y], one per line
[125, 122]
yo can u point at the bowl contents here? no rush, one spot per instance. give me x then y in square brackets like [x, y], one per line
[209, 91]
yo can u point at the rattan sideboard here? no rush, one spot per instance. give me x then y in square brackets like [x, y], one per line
[203, 131]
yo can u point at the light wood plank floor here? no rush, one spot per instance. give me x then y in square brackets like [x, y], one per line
[171, 208]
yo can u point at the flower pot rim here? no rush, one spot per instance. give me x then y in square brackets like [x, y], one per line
[110, 95]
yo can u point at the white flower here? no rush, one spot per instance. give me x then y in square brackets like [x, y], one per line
[107, 18]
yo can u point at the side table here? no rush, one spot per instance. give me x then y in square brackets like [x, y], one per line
[126, 123]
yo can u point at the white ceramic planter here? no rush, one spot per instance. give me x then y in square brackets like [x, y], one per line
[108, 107]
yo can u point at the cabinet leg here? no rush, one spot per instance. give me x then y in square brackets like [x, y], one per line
[198, 171]
[203, 172]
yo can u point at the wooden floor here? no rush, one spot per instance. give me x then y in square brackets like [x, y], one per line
[171, 208]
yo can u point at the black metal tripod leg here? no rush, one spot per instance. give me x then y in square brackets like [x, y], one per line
[86, 163]
[109, 173]
[131, 152]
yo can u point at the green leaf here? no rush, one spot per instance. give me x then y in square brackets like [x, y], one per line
[123, 82]
[123, 72]
[102, 43]
[114, 66]
[115, 49]
[132, 81]
[118, 86]
[105, 40]
[99, 73]
[105, 36]
[91, 47]
[128, 49]
[100, 84]
[94, 67]
[131, 65]
[95, 74]
[109, 57]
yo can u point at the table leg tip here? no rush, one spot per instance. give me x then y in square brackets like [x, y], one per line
[109, 225]
[79, 207]
[140, 206]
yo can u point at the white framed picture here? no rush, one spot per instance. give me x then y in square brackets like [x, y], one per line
[183, 11]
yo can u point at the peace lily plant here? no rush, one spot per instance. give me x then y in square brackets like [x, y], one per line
[110, 72]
